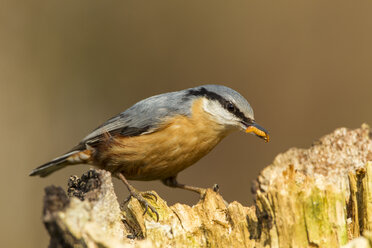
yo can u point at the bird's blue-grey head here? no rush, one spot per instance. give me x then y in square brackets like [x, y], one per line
[229, 108]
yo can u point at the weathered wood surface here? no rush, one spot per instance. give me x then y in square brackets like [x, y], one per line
[316, 197]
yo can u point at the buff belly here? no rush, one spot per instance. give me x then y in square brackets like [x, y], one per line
[179, 143]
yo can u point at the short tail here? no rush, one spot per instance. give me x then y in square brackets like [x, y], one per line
[70, 158]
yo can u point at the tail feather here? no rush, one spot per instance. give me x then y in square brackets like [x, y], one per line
[56, 164]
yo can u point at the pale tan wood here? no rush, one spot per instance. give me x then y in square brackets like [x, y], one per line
[316, 197]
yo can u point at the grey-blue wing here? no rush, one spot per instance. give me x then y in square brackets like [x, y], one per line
[143, 117]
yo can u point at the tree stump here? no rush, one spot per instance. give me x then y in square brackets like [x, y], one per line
[316, 197]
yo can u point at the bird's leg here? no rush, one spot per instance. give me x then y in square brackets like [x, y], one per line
[172, 182]
[138, 195]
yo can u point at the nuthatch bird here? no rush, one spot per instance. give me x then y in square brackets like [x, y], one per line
[162, 135]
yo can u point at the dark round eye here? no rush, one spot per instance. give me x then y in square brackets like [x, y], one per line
[230, 106]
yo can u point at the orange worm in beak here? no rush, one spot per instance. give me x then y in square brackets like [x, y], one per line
[258, 132]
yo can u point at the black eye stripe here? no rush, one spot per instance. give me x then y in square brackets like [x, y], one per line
[232, 108]
[228, 105]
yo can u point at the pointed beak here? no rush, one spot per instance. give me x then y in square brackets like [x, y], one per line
[258, 130]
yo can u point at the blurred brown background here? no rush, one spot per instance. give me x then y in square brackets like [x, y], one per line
[67, 66]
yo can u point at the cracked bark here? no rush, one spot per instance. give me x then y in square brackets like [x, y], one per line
[316, 197]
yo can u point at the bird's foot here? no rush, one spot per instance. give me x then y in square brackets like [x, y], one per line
[140, 196]
[150, 195]
[203, 191]
[145, 194]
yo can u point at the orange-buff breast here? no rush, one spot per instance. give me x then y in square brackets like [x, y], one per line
[179, 143]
